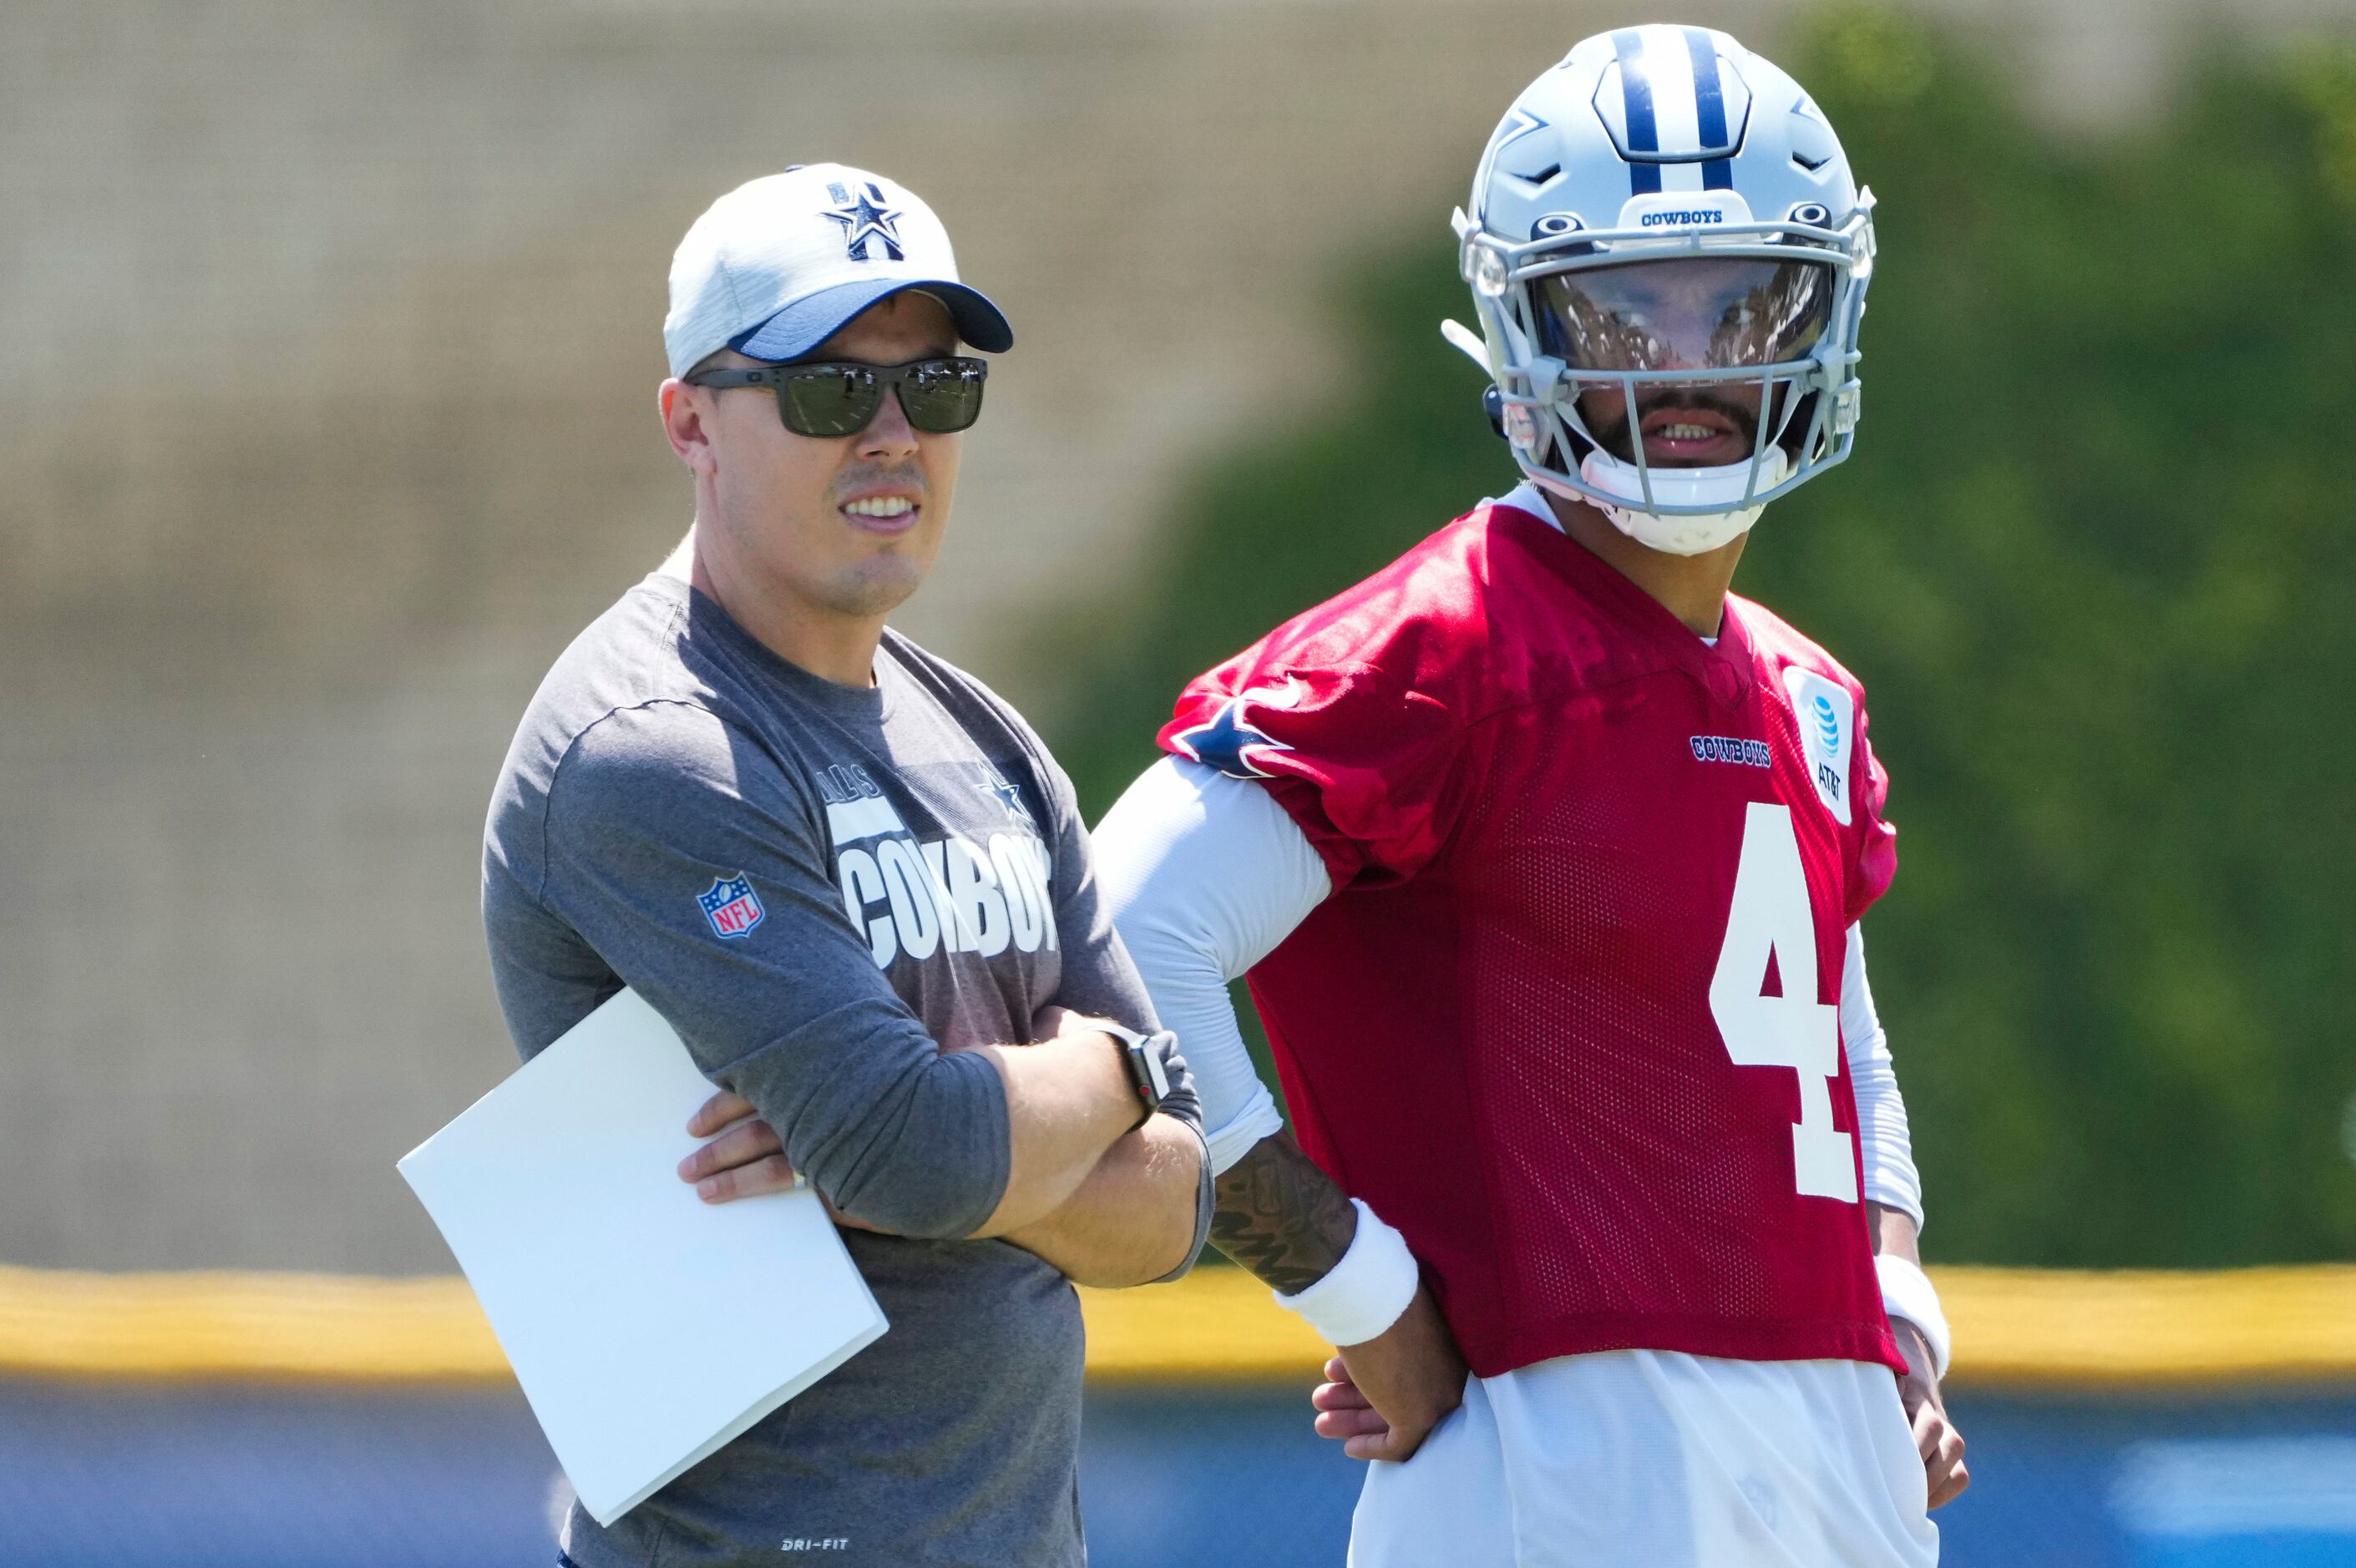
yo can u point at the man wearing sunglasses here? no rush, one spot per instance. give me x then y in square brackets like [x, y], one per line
[1545, 854]
[858, 886]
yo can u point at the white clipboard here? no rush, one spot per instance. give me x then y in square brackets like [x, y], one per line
[646, 1327]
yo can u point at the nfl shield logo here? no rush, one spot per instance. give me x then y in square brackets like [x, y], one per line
[730, 906]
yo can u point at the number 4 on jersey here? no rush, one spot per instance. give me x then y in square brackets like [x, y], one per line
[1770, 916]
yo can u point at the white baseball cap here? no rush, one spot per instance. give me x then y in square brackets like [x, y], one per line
[776, 266]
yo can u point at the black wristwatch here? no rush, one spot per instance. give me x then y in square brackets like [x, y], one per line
[1141, 1058]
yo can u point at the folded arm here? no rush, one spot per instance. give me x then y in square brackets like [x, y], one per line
[1134, 1213]
[1137, 1218]
[652, 807]
[1068, 1102]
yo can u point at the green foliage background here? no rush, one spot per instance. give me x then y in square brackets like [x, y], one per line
[2095, 560]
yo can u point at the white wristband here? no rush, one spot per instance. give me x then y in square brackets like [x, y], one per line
[1365, 1292]
[1906, 1292]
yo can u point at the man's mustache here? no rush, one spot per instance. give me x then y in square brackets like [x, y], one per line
[1615, 438]
[908, 476]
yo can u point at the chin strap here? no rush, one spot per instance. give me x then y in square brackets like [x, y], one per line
[1689, 533]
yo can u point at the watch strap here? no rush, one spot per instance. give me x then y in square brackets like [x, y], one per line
[1141, 1059]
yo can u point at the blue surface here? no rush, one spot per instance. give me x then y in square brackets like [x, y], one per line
[247, 1477]
[213, 1478]
[2052, 1481]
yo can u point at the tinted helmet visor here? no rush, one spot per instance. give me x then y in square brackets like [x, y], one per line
[1685, 313]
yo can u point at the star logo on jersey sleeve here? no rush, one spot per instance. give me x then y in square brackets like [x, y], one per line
[1226, 739]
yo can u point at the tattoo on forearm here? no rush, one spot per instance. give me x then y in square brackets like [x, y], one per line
[1280, 1217]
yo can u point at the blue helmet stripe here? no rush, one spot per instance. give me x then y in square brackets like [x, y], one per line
[1637, 103]
[1709, 109]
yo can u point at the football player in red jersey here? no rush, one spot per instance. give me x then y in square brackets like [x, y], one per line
[1546, 855]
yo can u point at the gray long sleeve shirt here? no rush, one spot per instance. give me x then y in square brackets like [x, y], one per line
[819, 886]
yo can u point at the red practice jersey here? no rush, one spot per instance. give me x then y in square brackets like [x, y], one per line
[1571, 1019]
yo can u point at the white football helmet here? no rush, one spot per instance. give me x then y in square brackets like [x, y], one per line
[1666, 248]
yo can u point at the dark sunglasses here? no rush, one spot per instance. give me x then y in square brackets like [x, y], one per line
[837, 400]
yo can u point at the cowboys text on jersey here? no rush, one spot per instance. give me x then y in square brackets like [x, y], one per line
[944, 894]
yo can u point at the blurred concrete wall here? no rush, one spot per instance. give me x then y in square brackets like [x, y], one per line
[328, 336]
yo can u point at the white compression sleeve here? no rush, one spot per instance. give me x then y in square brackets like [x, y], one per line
[1887, 1149]
[1205, 874]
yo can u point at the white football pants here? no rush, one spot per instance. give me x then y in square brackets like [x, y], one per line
[1652, 1459]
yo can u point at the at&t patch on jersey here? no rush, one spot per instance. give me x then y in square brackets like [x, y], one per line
[1827, 716]
[730, 906]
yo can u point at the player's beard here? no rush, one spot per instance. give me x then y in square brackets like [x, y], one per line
[1615, 438]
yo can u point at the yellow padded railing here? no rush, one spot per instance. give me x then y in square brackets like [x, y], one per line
[2012, 1326]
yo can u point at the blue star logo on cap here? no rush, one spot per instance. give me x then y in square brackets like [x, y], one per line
[865, 218]
[1226, 741]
